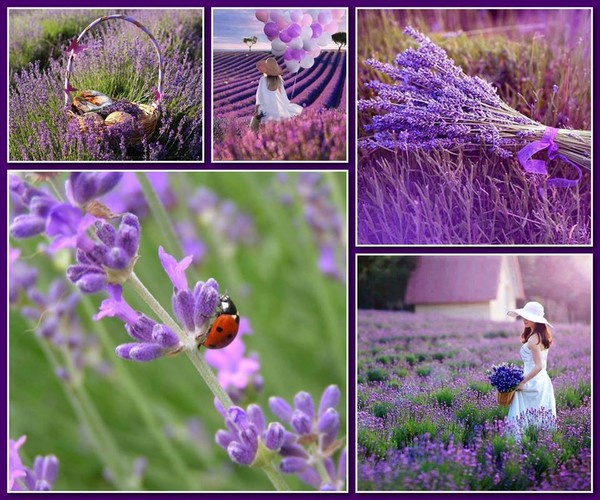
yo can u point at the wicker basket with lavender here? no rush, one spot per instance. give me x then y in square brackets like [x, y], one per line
[96, 111]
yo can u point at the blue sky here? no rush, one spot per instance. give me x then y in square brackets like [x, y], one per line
[231, 25]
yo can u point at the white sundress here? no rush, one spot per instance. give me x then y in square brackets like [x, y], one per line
[275, 103]
[538, 393]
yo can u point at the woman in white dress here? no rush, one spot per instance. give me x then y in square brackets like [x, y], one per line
[535, 392]
[271, 100]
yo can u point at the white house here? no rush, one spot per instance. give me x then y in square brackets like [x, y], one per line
[477, 286]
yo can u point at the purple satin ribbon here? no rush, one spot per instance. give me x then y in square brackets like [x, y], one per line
[539, 166]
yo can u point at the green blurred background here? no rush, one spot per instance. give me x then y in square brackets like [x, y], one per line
[298, 316]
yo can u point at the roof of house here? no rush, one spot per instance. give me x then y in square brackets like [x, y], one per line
[452, 279]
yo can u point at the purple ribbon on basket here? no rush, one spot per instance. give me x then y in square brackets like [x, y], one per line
[539, 166]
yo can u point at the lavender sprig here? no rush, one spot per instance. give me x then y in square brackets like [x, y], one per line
[433, 104]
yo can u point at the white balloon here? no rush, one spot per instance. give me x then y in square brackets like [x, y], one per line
[324, 39]
[292, 66]
[296, 15]
[278, 45]
[316, 51]
[309, 44]
[307, 33]
[307, 61]
[296, 43]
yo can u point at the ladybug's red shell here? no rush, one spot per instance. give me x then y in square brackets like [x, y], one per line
[222, 331]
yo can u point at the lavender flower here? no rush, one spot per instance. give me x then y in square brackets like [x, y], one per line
[109, 261]
[21, 478]
[153, 340]
[248, 440]
[193, 309]
[85, 187]
[20, 277]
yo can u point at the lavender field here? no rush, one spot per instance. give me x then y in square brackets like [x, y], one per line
[428, 420]
[114, 58]
[459, 177]
[319, 133]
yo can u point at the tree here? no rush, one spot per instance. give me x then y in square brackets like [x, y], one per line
[250, 41]
[382, 280]
[340, 39]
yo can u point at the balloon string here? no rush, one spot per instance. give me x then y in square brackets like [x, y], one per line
[294, 86]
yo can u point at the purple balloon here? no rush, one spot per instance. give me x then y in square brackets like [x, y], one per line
[294, 30]
[271, 30]
[285, 37]
[317, 30]
[298, 54]
[288, 55]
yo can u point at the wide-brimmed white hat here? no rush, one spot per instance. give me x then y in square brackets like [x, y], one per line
[533, 311]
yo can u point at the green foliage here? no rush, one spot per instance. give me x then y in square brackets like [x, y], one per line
[497, 334]
[382, 280]
[423, 371]
[372, 443]
[444, 397]
[574, 396]
[386, 360]
[407, 431]
[481, 387]
[376, 375]
[381, 410]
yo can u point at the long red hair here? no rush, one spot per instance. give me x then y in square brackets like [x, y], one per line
[543, 332]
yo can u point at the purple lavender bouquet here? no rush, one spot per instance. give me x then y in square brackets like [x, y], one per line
[505, 377]
[433, 104]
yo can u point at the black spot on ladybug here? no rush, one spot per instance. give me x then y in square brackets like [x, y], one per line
[219, 329]
[230, 336]
[212, 346]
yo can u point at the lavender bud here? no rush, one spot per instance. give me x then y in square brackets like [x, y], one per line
[106, 233]
[238, 417]
[46, 468]
[142, 329]
[124, 350]
[256, 417]
[116, 258]
[91, 282]
[26, 226]
[293, 450]
[145, 352]
[281, 409]
[41, 205]
[329, 399]
[128, 236]
[329, 421]
[274, 436]
[301, 423]
[85, 186]
[240, 454]
[183, 307]
[164, 336]
[249, 438]
[327, 487]
[223, 438]
[206, 303]
[293, 465]
[304, 402]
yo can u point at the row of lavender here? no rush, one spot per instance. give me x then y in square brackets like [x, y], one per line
[428, 419]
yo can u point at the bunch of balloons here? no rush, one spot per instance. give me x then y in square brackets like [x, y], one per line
[298, 35]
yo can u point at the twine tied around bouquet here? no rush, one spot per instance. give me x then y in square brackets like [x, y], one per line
[539, 166]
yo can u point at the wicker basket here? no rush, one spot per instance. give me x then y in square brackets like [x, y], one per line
[505, 398]
[146, 115]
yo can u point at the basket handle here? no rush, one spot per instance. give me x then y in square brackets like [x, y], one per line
[158, 97]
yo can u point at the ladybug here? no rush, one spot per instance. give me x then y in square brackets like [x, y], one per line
[225, 326]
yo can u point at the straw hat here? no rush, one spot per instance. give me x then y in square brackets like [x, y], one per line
[269, 67]
[532, 311]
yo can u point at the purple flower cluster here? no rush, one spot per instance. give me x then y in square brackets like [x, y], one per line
[21, 478]
[433, 104]
[153, 340]
[505, 377]
[65, 223]
[306, 448]
[111, 260]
